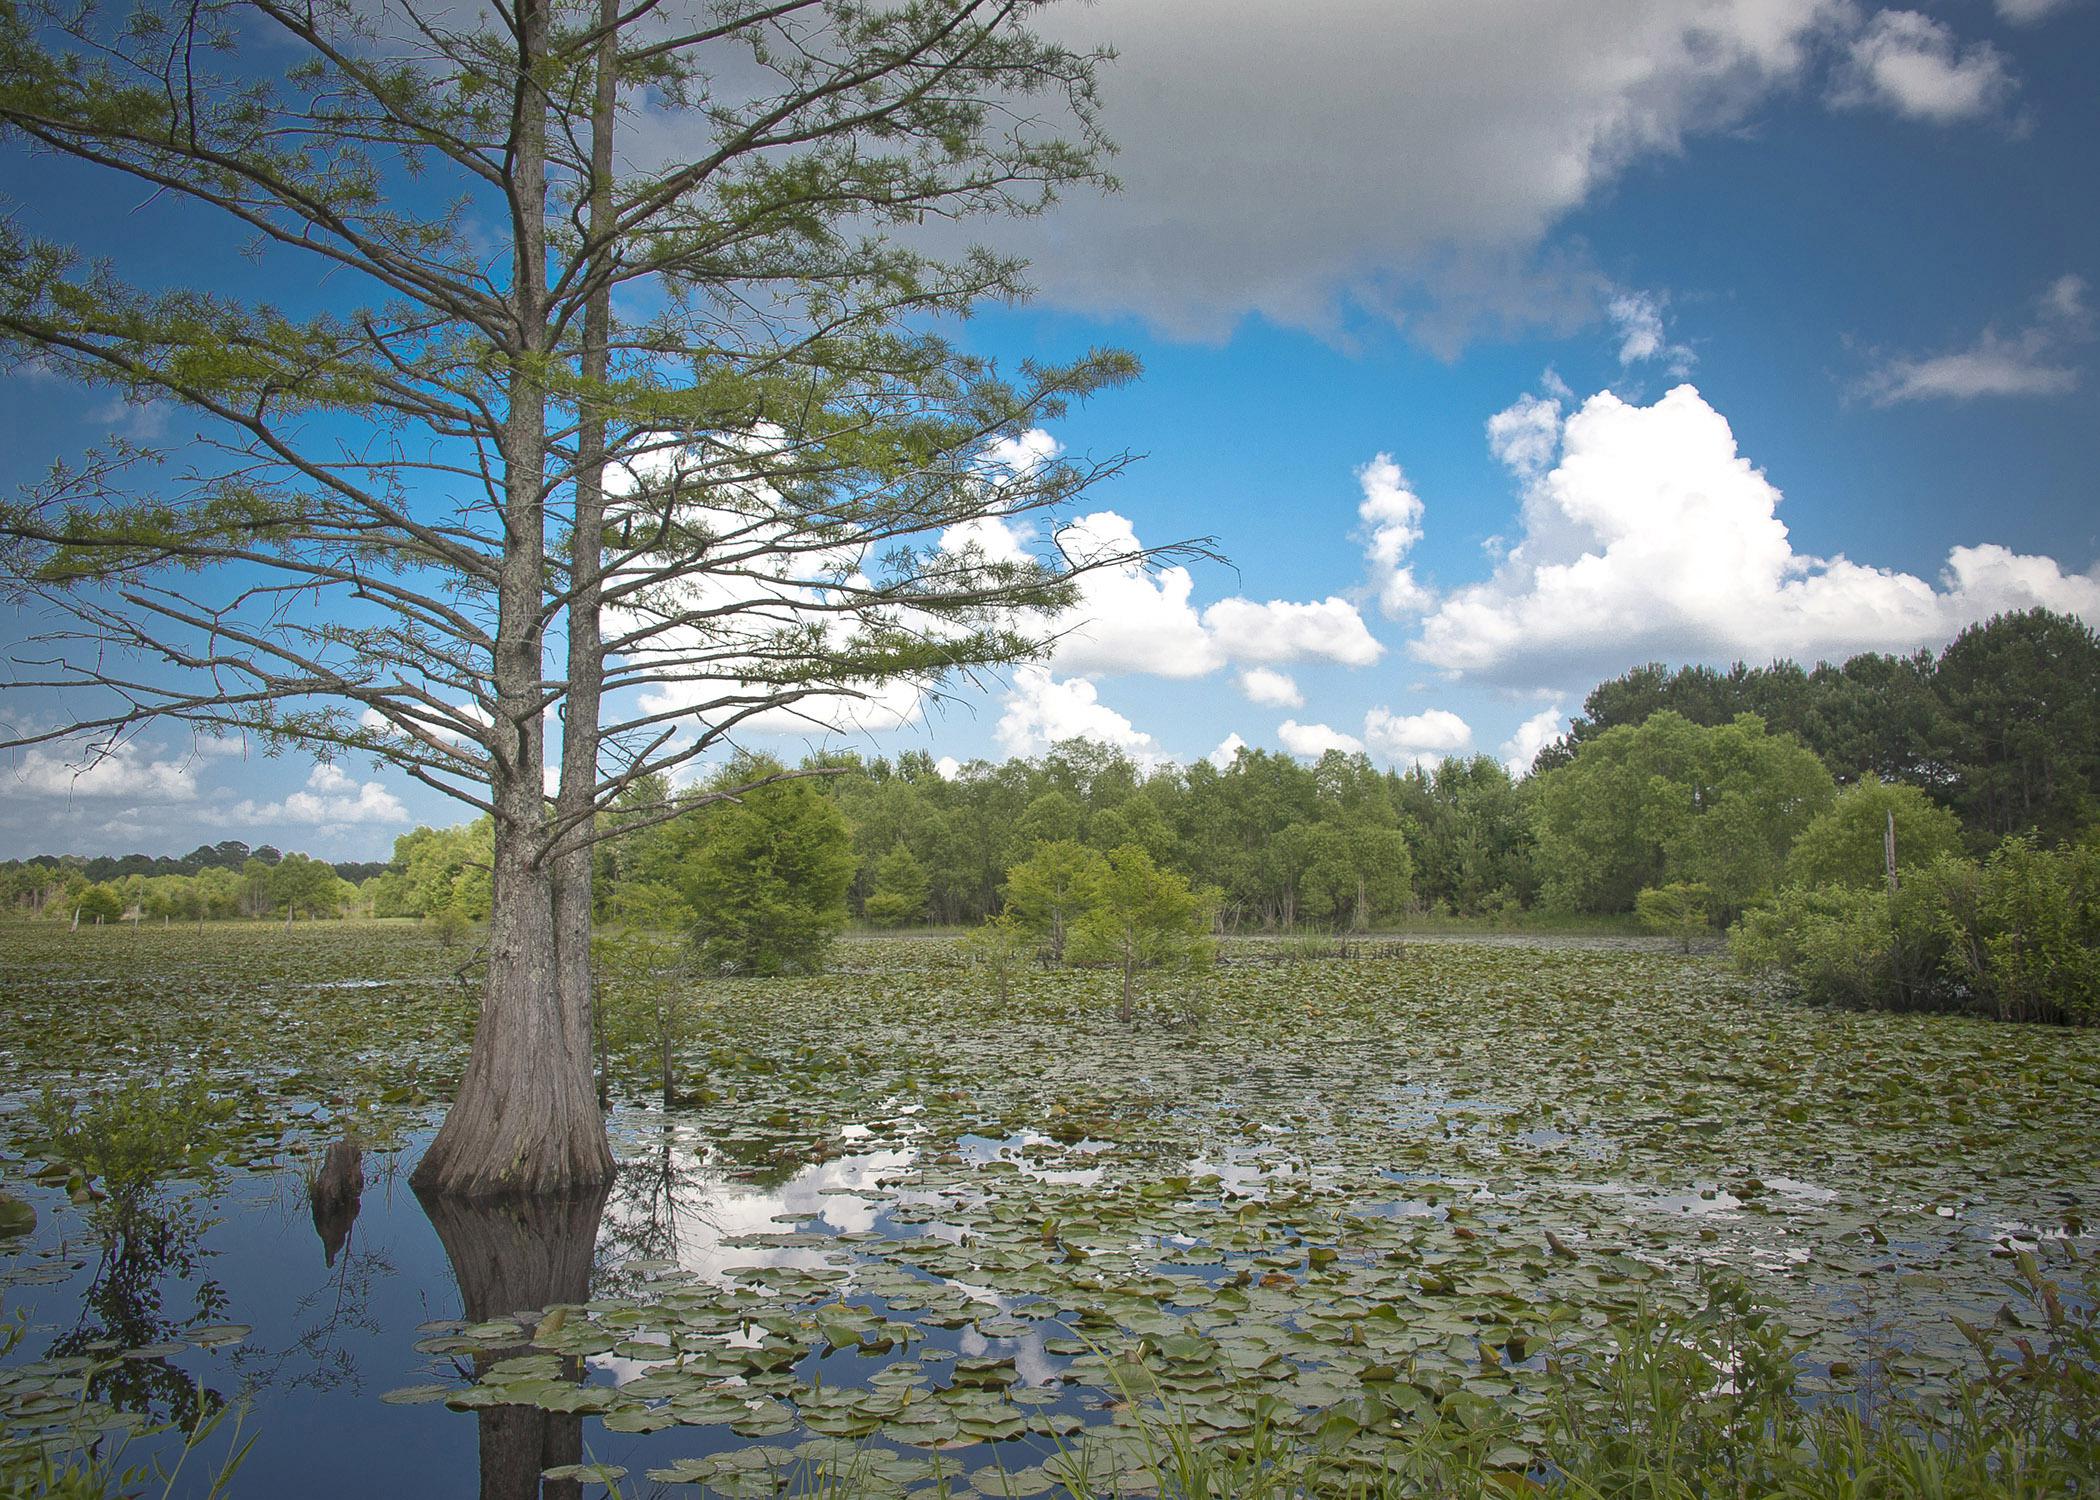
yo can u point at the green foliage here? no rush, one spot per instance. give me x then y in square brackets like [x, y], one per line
[2003, 727]
[132, 1137]
[2038, 917]
[100, 902]
[899, 896]
[449, 925]
[1141, 917]
[1668, 801]
[2022, 697]
[1052, 889]
[767, 874]
[1680, 910]
[1844, 844]
[2017, 938]
[445, 869]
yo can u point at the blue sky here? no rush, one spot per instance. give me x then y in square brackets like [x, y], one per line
[1500, 347]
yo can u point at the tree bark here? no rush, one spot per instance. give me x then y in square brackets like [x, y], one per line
[574, 866]
[526, 1118]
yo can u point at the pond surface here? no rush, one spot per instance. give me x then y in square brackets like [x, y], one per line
[898, 1227]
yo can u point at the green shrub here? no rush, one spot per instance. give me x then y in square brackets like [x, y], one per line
[2038, 913]
[2017, 938]
[1680, 910]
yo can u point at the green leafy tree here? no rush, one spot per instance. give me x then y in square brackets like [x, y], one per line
[395, 534]
[767, 881]
[2039, 917]
[1846, 843]
[300, 884]
[1667, 800]
[2022, 695]
[899, 896]
[1050, 890]
[1141, 917]
[101, 902]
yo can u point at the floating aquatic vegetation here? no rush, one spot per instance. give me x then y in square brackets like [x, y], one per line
[893, 1222]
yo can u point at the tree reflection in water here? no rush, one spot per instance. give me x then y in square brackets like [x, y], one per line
[518, 1257]
[334, 1193]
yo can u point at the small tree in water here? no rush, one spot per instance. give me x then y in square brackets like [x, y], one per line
[1142, 916]
[999, 946]
[1052, 889]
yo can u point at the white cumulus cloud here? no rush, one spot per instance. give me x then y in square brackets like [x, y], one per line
[1040, 710]
[1227, 751]
[1532, 736]
[1410, 739]
[1526, 436]
[331, 798]
[1391, 513]
[1906, 61]
[1270, 689]
[1637, 319]
[1314, 740]
[123, 771]
[1280, 631]
[1130, 618]
[1651, 536]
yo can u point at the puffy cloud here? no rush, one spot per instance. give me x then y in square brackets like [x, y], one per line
[1653, 536]
[1040, 710]
[1270, 689]
[1532, 736]
[331, 798]
[1228, 750]
[1503, 116]
[2028, 362]
[1409, 739]
[1314, 740]
[1025, 453]
[1914, 65]
[1526, 436]
[122, 771]
[1130, 618]
[1392, 517]
[1280, 631]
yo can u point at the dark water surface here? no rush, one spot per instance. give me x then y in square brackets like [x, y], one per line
[313, 1296]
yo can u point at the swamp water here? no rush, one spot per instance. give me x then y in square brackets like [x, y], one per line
[895, 1230]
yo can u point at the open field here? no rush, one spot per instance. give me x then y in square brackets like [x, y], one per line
[1344, 1201]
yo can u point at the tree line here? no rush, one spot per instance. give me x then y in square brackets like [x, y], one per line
[2002, 727]
[1666, 779]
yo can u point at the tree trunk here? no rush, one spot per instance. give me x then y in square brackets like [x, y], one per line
[1129, 968]
[574, 801]
[526, 1119]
